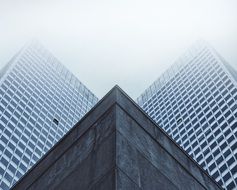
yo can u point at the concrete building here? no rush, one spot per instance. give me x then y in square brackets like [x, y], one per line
[116, 146]
[195, 102]
[40, 100]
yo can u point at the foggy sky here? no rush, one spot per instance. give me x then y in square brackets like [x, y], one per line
[127, 42]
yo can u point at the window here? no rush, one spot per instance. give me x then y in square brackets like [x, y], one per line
[231, 185]
[215, 175]
[230, 119]
[179, 121]
[227, 153]
[230, 161]
[227, 132]
[213, 166]
[227, 176]
[234, 170]
[223, 146]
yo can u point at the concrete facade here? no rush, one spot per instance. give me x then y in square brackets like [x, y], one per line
[116, 146]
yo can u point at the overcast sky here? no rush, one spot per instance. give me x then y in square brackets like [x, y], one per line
[125, 42]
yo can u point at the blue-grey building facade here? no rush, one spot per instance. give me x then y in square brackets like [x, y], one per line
[116, 146]
[195, 102]
[40, 100]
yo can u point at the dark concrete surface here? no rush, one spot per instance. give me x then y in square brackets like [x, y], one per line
[116, 146]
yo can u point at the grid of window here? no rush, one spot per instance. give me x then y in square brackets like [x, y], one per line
[196, 104]
[40, 100]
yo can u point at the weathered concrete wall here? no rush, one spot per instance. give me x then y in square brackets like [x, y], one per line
[146, 162]
[116, 146]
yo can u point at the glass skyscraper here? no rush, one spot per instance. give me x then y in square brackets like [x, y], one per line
[40, 100]
[195, 102]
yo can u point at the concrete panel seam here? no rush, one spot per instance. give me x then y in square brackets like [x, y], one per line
[129, 142]
[102, 177]
[122, 93]
[166, 149]
[62, 153]
[119, 169]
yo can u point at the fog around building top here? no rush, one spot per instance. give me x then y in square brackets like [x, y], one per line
[108, 42]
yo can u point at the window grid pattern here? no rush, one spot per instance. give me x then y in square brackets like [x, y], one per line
[35, 91]
[197, 107]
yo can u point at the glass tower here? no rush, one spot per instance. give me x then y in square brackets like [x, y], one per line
[40, 100]
[195, 102]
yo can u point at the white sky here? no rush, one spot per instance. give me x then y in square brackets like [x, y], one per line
[125, 42]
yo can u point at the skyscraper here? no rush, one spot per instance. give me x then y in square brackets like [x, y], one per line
[115, 147]
[40, 100]
[195, 102]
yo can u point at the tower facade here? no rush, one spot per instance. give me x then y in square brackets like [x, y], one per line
[40, 100]
[115, 146]
[195, 102]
